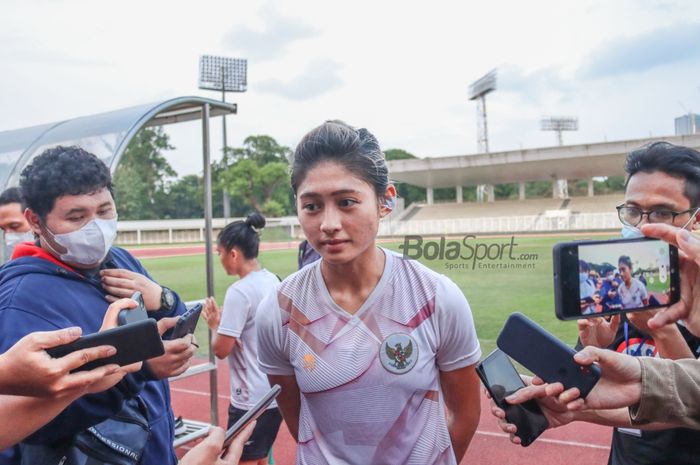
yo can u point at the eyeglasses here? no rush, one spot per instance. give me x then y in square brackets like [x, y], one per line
[632, 216]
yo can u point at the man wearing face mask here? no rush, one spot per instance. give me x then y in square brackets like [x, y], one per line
[12, 221]
[663, 186]
[62, 282]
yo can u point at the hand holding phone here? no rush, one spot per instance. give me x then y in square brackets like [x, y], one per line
[133, 315]
[186, 324]
[252, 414]
[501, 380]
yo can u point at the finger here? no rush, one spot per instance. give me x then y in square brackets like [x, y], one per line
[527, 393]
[83, 379]
[665, 232]
[497, 411]
[515, 439]
[233, 454]
[111, 298]
[165, 324]
[81, 357]
[689, 244]
[118, 291]
[588, 355]
[507, 427]
[569, 395]
[132, 368]
[216, 436]
[118, 273]
[177, 346]
[536, 380]
[46, 339]
[578, 404]
[554, 389]
[614, 322]
[670, 315]
[110, 318]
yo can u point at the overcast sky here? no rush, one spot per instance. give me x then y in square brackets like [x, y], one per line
[400, 68]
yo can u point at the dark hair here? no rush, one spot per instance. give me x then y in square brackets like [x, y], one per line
[243, 234]
[625, 260]
[674, 160]
[60, 171]
[357, 150]
[583, 265]
[12, 195]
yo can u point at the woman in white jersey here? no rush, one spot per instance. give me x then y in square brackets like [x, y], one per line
[375, 353]
[233, 330]
[632, 292]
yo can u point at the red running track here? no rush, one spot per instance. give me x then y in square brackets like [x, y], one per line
[575, 444]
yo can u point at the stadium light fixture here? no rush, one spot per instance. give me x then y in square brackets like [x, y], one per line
[226, 75]
[559, 124]
[477, 91]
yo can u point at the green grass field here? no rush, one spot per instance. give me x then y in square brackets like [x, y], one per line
[492, 293]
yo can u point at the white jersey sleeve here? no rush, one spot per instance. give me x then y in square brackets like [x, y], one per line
[272, 356]
[458, 345]
[235, 313]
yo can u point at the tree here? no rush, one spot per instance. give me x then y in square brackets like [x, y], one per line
[256, 176]
[184, 198]
[142, 175]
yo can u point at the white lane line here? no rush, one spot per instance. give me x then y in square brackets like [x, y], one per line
[549, 441]
[197, 393]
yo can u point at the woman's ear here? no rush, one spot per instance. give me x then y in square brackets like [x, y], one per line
[388, 201]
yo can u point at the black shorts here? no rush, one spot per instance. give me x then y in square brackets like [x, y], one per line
[264, 434]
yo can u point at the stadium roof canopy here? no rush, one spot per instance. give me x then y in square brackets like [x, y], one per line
[106, 134]
[566, 162]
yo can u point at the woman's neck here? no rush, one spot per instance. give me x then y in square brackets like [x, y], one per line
[248, 266]
[358, 277]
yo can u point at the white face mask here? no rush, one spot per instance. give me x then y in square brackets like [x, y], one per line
[630, 232]
[88, 245]
[14, 238]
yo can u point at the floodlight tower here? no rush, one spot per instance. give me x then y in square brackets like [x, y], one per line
[559, 124]
[223, 74]
[478, 91]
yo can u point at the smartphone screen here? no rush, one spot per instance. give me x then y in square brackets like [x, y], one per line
[606, 277]
[501, 379]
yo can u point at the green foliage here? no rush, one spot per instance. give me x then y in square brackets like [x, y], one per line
[184, 198]
[256, 176]
[142, 175]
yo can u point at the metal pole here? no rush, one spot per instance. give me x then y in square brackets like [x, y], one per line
[226, 201]
[206, 156]
[486, 127]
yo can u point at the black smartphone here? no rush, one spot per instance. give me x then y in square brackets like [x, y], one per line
[186, 324]
[134, 343]
[595, 278]
[501, 379]
[252, 414]
[546, 356]
[132, 315]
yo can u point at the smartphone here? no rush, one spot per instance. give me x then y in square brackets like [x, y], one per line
[546, 356]
[186, 324]
[501, 379]
[251, 415]
[134, 343]
[594, 278]
[132, 315]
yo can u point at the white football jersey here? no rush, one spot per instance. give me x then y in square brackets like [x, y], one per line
[369, 382]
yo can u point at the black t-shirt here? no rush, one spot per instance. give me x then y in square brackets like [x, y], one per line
[677, 446]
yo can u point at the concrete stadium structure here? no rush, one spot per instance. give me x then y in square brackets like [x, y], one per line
[584, 161]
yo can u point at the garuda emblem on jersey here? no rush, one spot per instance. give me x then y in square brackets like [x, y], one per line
[399, 353]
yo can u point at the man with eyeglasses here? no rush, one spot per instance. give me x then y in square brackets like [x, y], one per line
[663, 186]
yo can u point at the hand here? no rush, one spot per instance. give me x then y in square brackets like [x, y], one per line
[211, 313]
[598, 332]
[620, 384]
[208, 452]
[123, 283]
[178, 353]
[554, 411]
[640, 320]
[688, 308]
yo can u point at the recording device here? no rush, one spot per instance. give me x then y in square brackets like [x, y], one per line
[134, 342]
[185, 325]
[594, 278]
[251, 415]
[545, 355]
[133, 315]
[501, 380]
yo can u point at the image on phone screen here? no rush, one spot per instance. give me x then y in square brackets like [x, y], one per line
[621, 275]
[623, 278]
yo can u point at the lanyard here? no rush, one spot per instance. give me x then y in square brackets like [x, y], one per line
[638, 351]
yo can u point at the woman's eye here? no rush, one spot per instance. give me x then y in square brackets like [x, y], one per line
[310, 207]
[347, 202]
